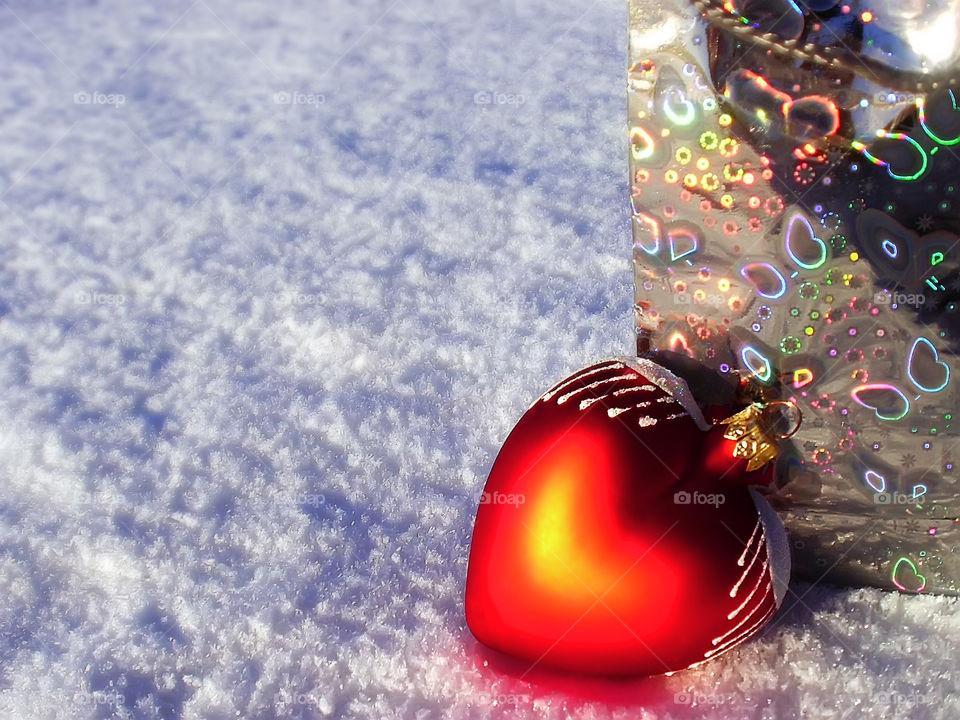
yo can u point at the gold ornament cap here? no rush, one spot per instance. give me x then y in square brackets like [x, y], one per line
[753, 429]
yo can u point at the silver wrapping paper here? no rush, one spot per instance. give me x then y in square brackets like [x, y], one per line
[795, 188]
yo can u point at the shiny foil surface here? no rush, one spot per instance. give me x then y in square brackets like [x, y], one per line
[795, 188]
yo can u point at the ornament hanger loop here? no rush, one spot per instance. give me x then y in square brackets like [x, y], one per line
[768, 409]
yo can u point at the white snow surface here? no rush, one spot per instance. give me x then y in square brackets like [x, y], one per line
[258, 356]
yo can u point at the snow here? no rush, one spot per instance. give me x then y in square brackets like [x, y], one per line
[277, 280]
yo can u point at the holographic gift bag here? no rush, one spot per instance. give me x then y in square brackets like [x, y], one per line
[795, 173]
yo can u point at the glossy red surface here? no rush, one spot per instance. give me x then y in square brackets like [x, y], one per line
[584, 556]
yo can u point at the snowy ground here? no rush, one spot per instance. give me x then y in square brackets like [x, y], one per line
[276, 280]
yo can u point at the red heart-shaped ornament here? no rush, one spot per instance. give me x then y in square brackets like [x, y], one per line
[617, 534]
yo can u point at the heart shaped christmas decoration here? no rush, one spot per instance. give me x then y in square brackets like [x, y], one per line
[617, 533]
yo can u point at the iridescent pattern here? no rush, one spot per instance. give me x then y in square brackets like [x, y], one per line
[795, 194]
